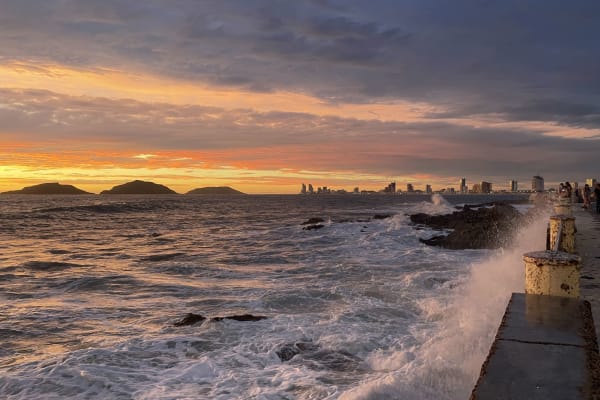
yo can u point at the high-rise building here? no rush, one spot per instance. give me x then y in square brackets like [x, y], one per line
[428, 189]
[537, 184]
[476, 188]
[591, 182]
[303, 191]
[514, 186]
[311, 190]
[486, 187]
[463, 186]
[410, 188]
[391, 188]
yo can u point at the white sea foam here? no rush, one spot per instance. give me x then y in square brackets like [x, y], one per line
[445, 363]
[437, 206]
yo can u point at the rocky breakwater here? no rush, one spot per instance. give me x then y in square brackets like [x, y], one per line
[484, 226]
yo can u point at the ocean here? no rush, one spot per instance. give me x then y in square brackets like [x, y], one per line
[92, 286]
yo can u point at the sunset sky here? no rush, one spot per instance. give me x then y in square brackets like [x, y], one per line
[264, 95]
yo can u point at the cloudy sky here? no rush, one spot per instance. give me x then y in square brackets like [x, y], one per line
[263, 95]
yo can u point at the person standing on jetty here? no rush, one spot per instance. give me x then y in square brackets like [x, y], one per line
[597, 197]
[586, 192]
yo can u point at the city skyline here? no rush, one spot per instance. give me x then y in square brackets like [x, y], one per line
[263, 96]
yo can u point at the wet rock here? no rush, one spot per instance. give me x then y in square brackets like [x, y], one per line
[312, 221]
[313, 227]
[317, 358]
[287, 351]
[382, 216]
[242, 318]
[190, 319]
[481, 228]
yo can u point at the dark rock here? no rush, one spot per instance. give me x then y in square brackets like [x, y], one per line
[317, 358]
[312, 221]
[242, 318]
[382, 216]
[189, 319]
[482, 228]
[287, 351]
[312, 227]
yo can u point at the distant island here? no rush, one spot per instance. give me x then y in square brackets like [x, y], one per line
[48, 188]
[221, 190]
[139, 187]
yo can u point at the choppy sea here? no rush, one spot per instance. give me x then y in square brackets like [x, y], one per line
[91, 286]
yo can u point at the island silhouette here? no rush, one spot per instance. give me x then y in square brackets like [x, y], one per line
[133, 187]
[219, 190]
[139, 187]
[48, 188]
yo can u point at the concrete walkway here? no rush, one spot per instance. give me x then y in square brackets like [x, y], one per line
[587, 241]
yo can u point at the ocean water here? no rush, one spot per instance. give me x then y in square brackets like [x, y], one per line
[91, 287]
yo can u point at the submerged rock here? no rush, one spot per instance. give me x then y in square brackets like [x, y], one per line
[191, 319]
[482, 228]
[313, 227]
[287, 351]
[382, 216]
[312, 221]
[242, 318]
[318, 358]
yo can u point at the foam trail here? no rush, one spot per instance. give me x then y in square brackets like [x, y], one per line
[446, 361]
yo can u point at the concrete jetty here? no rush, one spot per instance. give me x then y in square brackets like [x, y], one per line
[587, 241]
[546, 346]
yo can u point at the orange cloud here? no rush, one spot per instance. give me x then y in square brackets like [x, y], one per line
[116, 84]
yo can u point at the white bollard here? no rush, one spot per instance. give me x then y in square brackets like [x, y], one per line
[552, 273]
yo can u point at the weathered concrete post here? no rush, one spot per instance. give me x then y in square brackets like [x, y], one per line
[563, 207]
[562, 233]
[552, 273]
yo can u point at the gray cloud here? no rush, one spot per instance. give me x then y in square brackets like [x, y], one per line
[459, 53]
[304, 141]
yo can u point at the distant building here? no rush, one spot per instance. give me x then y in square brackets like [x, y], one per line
[311, 190]
[537, 184]
[450, 190]
[591, 182]
[356, 190]
[391, 188]
[410, 188]
[428, 189]
[486, 187]
[303, 191]
[463, 186]
[476, 188]
[514, 186]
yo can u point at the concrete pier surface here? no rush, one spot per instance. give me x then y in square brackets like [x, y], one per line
[587, 241]
[545, 349]
[546, 346]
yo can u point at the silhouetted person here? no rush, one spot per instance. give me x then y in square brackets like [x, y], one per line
[586, 192]
[569, 190]
[597, 197]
